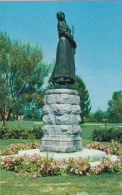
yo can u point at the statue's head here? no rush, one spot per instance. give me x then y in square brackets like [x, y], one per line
[60, 15]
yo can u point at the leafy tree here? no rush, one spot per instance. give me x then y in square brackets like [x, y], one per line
[22, 71]
[115, 107]
[84, 97]
[91, 117]
[99, 115]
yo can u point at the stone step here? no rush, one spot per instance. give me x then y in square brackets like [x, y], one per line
[92, 155]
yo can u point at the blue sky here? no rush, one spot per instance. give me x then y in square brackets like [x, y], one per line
[97, 32]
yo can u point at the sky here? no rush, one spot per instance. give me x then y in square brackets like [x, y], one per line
[97, 32]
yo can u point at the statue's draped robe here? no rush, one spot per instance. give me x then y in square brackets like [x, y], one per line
[65, 66]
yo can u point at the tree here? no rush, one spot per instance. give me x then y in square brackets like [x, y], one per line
[115, 107]
[99, 115]
[84, 97]
[22, 71]
[34, 109]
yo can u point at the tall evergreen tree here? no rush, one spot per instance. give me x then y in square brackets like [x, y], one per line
[84, 97]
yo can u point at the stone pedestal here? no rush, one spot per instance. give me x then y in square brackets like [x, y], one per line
[61, 121]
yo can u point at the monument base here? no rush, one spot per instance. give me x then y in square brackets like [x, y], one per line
[61, 121]
[61, 144]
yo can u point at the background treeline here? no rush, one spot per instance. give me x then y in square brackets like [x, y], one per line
[113, 113]
[24, 79]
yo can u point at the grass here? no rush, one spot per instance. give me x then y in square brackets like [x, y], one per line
[13, 184]
[24, 124]
[94, 185]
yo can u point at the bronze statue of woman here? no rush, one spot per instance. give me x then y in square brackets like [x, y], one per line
[64, 70]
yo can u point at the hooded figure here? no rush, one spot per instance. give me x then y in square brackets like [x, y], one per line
[64, 70]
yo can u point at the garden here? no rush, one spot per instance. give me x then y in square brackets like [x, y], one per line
[49, 176]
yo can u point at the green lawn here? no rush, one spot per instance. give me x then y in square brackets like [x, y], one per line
[12, 184]
[24, 124]
[105, 184]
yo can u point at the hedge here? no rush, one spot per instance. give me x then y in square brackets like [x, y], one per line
[108, 134]
[20, 133]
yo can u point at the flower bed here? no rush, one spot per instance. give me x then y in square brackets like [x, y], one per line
[82, 167]
[13, 149]
[107, 166]
[36, 166]
[31, 165]
[113, 149]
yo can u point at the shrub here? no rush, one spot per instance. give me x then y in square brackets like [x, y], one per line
[76, 166]
[104, 120]
[11, 116]
[107, 134]
[93, 120]
[85, 119]
[20, 133]
[37, 132]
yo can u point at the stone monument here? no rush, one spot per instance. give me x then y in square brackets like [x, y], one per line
[61, 102]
